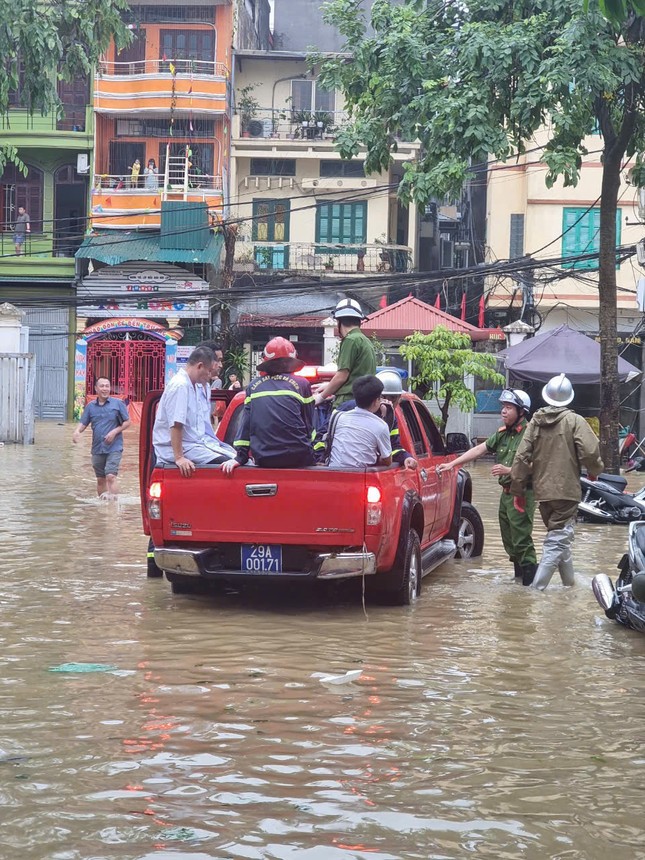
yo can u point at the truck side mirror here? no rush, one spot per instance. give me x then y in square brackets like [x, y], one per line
[457, 443]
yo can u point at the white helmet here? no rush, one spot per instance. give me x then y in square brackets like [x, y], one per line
[558, 391]
[516, 397]
[391, 380]
[348, 308]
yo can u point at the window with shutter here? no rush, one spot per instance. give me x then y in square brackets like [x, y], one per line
[341, 224]
[581, 235]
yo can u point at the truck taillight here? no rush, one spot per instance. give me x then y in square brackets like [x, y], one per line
[374, 507]
[154, 501]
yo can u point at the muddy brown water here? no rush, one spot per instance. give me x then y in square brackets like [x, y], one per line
[490, 721]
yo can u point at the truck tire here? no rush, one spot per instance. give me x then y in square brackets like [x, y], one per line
[152, 572]
[470, 540]
[409, 576]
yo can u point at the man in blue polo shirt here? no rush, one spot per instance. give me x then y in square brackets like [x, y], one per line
[109, 418]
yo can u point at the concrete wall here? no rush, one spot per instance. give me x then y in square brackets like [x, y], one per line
[298, 25]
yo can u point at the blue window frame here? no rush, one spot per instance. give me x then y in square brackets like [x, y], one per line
[341, 224]
[581, 235]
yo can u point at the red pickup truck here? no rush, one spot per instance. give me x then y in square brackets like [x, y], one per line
[388, 524]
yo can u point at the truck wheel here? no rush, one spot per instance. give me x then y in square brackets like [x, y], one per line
[409, 586]
[153, 572]
[470, 540]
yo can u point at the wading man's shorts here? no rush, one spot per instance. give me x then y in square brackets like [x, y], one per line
[106, 464]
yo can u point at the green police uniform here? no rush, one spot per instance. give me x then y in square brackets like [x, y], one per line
[516, 528]
[356, 355]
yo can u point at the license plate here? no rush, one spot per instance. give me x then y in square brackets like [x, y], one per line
[261, 558]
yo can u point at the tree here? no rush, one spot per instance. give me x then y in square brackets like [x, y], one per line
[478, 79]
[43, 41]
[442, 360]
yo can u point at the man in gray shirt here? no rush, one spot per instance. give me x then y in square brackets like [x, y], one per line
[21, 227]
[109, 418]
[360, 438]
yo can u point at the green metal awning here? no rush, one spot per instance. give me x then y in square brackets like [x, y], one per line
[112, 250]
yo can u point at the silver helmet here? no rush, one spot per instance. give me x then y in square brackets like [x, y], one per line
[392, 386]
[558, 391]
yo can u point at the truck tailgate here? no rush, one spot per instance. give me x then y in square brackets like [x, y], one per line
[314, 507]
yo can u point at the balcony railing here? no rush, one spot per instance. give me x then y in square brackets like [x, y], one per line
[164, 67]
[323, 257]
[40, 245]
[20, 119]
[123, 184]
[292, 124]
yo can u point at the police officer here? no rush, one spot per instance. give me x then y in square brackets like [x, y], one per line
[515, 518]
[278, 414]
[356, 356]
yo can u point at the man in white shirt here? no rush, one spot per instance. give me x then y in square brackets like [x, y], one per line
[179, 434]
[360, 438]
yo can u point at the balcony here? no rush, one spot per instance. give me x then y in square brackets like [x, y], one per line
[282, 124]
[71, 130]
[117, 203]
[322, 258]
[155, 86]
[44, 255]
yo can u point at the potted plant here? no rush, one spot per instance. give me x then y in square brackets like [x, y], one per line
[247, 107]
[329, 264]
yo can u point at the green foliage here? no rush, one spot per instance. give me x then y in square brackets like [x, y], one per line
[51, 41]
[480, 79]
[236, 360]
[618, 11]
[442, 360]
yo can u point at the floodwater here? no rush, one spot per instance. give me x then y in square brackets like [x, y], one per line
[490, 721]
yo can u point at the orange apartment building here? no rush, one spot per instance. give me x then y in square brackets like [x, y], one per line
[144, 272]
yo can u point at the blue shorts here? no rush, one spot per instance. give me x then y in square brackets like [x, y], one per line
[19, 239]
[106, 464]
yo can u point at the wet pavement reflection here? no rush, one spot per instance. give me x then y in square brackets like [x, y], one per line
[489, 721]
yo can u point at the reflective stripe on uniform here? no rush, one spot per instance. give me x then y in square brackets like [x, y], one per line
[279, 394]
[241, 443]
[150, 555]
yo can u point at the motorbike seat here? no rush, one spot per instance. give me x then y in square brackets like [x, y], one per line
[617, 482]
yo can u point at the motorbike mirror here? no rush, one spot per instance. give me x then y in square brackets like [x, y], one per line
[638, 586]
[603, 590]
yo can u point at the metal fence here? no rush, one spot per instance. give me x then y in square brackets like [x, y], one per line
[17, 379]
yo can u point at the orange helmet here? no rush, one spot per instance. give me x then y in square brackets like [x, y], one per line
[280, 356]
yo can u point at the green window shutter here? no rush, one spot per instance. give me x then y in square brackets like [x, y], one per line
[341, 224]
[581, 229]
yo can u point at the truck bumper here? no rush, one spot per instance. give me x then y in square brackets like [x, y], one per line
[341, 565]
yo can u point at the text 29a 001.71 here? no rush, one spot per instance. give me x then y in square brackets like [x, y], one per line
[261, 558]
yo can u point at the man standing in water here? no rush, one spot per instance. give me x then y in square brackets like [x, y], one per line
[109, 418]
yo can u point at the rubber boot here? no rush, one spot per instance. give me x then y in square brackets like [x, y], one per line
[553, 548]
[565, 566]
[528, 573]
[518, 570]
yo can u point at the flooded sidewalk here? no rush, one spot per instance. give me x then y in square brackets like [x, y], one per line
[488, 720]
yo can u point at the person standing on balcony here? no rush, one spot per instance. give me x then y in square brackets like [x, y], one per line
[21, 227]
[135, 170]
[151, 174]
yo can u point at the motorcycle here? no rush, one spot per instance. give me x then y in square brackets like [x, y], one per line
[625, 601]
[605, 501]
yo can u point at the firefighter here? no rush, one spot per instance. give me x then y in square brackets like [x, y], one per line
[278, 414]
[515, 519]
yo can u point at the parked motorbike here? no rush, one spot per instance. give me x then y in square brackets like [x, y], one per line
[605, 501]
[625, 601]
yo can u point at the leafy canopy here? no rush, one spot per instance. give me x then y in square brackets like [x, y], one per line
[42, 41]
[442, 360]
[478, 79]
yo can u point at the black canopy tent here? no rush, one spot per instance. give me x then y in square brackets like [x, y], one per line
[561, 350]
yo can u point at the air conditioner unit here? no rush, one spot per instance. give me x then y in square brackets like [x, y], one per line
[255, 128]
[82, 162]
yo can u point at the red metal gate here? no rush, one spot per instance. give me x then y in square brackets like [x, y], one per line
[134, 362]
